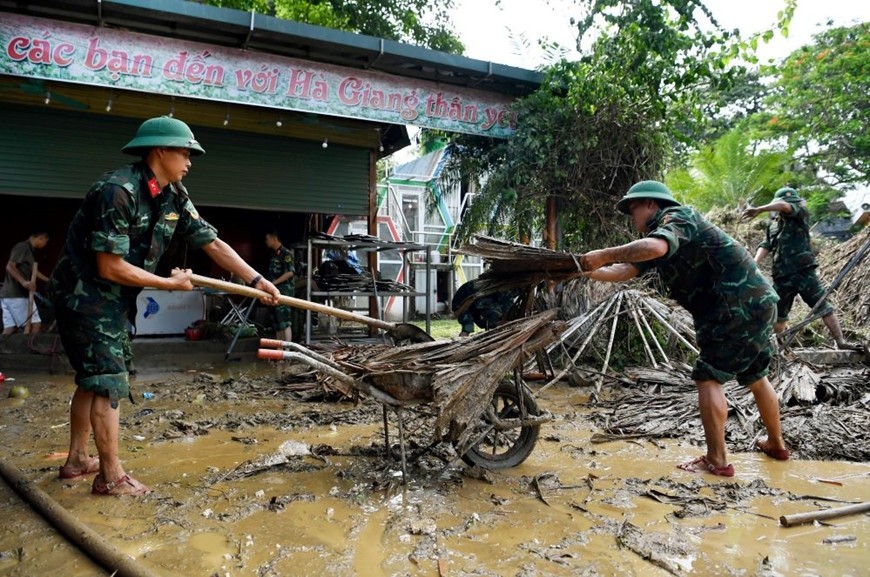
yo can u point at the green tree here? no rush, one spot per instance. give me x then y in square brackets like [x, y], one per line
[420, 22]
[820, 105]
[596, 126]
[729, 173]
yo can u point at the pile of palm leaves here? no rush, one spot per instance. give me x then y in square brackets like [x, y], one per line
[852, 297]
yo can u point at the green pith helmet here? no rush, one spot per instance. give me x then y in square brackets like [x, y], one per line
[162, 131]
[647, 189]
[786, 193]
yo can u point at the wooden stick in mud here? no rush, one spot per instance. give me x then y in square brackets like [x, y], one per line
[809, 517]
[107, 555]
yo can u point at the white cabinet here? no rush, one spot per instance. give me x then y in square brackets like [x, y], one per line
[162, 312]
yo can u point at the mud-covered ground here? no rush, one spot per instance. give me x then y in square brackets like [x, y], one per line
[249, 480]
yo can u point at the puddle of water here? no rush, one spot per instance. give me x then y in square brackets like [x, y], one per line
[330, 518]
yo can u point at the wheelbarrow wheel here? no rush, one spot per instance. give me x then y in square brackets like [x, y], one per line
[508, 448]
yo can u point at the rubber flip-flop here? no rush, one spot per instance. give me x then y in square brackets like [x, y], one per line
[92, 466]
[702, 465]
[778, 454]
[126, 485]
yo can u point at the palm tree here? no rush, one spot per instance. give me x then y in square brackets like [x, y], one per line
[730, 172]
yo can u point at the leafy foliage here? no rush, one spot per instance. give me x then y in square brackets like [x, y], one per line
[729, 172]
[820, 105]
[598, 125]
[421, 22]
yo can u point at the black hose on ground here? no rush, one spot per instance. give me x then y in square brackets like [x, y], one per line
[104, 553]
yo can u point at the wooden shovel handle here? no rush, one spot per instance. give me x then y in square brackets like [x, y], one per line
[247, 291]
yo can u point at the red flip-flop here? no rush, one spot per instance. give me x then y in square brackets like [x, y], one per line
[702, 465]
[68, 472]
[126, 485]
[778, 454]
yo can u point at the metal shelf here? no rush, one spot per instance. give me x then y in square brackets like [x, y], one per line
[369, 245]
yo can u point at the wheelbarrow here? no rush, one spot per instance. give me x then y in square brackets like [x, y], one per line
[495, 432]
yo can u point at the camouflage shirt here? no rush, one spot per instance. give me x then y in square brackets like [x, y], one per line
[709, 273]
[788, 240]
[280, 263]
[127, 214]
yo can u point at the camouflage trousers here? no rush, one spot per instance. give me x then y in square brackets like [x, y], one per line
[740, 347]
[806, 284]
[99, 350]
[282, 315]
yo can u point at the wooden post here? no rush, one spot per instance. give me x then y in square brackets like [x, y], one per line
[30, 303]
[550, 228]
[809, 517]
[82, 536]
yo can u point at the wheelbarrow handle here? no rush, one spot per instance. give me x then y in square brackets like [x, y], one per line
[247, 291]
[270, 354]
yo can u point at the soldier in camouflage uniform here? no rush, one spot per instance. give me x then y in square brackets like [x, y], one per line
[733, 308]
[124, 225]
[282, 272]
[794, 264]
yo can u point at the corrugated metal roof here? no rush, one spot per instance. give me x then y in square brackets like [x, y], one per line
[421, 169]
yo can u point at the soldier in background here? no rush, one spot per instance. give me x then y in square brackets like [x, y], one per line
[115, 241]
[787, 239]
[282, 272]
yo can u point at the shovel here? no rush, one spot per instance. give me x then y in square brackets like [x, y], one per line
[398, 332]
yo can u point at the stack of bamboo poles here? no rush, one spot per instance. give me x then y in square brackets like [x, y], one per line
[659, 327]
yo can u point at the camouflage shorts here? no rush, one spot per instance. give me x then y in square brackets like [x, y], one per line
[742, 349]
[99, 351]
[282, 315]
[806, 284]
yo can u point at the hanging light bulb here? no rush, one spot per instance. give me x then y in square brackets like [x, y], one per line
[227, 119]
[109, 105]
[278, 123]
[325, 143]
[47, 97]
[172, 108]
[380, 147]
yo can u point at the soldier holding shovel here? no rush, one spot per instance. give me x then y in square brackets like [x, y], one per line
[124, 225]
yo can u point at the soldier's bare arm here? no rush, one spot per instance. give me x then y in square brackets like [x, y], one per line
[614, 273]
[115, 269]
[776, 206]
[636, 251]
[760, 254]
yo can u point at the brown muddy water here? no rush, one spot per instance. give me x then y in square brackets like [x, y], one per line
[573, 508]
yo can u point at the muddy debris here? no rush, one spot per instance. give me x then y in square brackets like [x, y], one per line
[827, 422]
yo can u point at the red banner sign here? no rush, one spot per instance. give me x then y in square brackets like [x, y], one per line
[66, 52]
